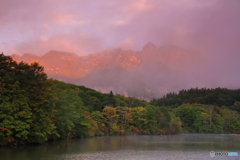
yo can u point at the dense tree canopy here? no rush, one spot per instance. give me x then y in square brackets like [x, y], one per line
[218, 97]
[25, 96]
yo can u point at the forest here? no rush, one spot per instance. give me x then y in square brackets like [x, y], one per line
[35, 109]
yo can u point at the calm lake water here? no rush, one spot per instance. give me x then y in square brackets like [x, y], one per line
[165, 147]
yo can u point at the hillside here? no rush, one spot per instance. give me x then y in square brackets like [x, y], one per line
[34, 109]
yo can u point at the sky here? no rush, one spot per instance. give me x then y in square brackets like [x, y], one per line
[211, 27]
[87, 26]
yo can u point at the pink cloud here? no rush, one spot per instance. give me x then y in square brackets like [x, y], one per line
[83, 27]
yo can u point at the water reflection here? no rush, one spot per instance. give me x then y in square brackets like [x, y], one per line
[182, 146]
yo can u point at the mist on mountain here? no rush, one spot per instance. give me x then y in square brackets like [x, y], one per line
[146, 74]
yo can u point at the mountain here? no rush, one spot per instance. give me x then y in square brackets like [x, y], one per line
[144, 74]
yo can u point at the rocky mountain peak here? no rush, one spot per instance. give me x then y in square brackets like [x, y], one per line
[125, 71]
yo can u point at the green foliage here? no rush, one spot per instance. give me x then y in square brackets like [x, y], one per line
[121, 101]
[93, 100]
[67, 108]
[217, 97]
[139, 120]
[24, 109]
[208, 119]
[139, 117]
[98, 117]
[236, 106]
[34, 109]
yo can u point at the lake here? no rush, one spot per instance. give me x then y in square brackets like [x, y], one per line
[133, 147]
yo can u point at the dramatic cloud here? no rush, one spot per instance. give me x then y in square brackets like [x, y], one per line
[211, 27]
[84, 26]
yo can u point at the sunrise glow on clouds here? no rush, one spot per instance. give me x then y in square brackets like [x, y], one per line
[210, 27]
[83, 26]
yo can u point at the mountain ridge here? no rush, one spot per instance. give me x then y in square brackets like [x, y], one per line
[127, 72]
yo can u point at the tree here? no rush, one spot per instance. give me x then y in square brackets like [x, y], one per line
[98, 117]
[111, 118]
[24, 102]
[111, 100]
[121, 101]
[124, 118]
[139, 117]
[188, 114]
[15, 115]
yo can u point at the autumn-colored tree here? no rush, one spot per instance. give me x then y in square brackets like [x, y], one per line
[111, 118]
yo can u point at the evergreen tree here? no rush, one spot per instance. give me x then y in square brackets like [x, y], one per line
[111, 100]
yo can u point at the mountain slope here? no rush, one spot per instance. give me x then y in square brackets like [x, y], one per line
[144, 74]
